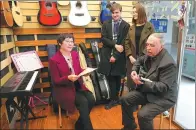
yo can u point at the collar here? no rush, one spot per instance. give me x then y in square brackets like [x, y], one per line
[155, 57]
[118, 21]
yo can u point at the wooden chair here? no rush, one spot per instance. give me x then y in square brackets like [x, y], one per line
[165, 115]
[60, 116]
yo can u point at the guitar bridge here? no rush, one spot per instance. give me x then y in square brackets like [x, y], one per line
[79, 14]
[48, 15]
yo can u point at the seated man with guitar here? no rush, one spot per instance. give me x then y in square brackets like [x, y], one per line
[112, 55]
[69, 90]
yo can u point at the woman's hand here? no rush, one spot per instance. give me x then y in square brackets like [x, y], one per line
[132, 60]
[73, 78]
[119, 48]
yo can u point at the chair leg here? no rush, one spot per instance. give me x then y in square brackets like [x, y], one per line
[60, 119]
[161, 121]
[170, 119]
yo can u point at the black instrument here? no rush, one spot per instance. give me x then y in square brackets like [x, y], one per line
[103, 83]
[93, 75]
[20, 83]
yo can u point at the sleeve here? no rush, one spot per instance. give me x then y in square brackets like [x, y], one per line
[139, 62]
[152, 30]
[54, 72]
[127, 45]
[167, 77]
[105, 40]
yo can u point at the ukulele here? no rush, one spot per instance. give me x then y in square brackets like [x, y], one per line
[48, 14]
[6, 14]
[105, 11]
[17, 14]
[79, 15]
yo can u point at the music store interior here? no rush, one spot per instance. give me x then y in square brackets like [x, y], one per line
[31, 45]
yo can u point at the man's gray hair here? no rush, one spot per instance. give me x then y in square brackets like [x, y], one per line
[159, 36]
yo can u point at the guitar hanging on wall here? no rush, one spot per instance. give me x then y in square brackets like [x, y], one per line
[17, 14]
[6, 14]
[79, 15]
[48, 14]
[105, 11]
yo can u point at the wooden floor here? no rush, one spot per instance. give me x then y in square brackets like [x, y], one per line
[101, 119]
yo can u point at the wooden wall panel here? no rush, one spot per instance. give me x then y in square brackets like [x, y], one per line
[33, 36]
[31, 9]
[7, 47]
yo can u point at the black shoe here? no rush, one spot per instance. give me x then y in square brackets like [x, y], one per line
[112, 104]
[78, 125]
[130, 127]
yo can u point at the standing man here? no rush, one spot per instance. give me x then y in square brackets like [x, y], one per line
[113, 60]
[158, 92]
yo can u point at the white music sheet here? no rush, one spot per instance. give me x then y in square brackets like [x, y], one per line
[27, 61]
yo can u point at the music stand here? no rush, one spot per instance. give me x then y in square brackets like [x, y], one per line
[28, 61]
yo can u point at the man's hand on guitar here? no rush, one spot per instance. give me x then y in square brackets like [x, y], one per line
[119, 48]
[136, 78]
[112, 59]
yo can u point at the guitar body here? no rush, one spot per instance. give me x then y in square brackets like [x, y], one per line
[93, 75]
[6, 14]
[63, 3]
[79, 15]
[48, 14]
[105, 12]
[17, 14]
[103, 83]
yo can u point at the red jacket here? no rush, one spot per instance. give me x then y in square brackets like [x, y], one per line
[64, 90]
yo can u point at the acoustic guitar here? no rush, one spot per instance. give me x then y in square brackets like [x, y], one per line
[17, 14]
[86, 79]
[6, 14]
[63, 3]
[79, 15]
[105, 11]
[48, 14]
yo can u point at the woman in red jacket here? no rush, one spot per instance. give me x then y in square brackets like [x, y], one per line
[69, 90]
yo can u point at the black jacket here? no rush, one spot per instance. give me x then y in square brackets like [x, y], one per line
[163, 73]
[119, 67]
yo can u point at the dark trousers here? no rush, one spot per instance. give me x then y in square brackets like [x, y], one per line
[114, 83]
[146, 114]
[84, 103]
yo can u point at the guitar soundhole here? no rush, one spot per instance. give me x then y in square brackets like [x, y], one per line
[48, 5]
[78, 4]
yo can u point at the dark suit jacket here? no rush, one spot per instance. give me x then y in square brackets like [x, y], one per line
[163, 73]
[64, 89]
[130, 47]
[105, 67]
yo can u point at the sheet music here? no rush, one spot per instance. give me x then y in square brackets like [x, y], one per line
[87, 71]
[27, 61]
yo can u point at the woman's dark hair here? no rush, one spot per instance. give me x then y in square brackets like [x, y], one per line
[63, 36]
